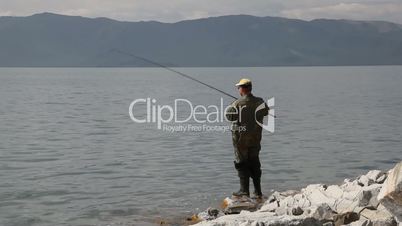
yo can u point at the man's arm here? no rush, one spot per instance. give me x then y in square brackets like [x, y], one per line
[232, 113]
[264, 111]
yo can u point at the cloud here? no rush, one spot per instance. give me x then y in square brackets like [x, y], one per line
[175, 10]
[356, 11]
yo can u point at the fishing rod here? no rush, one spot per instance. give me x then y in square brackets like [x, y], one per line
[174, 71]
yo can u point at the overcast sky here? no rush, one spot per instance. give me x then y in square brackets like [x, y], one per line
[175, 10]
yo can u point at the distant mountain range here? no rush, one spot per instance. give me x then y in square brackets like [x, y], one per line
[52, 40]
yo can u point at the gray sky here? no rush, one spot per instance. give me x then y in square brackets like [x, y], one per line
[175, 10]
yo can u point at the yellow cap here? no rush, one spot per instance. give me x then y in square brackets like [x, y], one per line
[244, 82]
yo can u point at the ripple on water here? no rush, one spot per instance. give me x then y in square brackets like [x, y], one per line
[70, 155]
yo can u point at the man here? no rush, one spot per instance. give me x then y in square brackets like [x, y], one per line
[246, 136]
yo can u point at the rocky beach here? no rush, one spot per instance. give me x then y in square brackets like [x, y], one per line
[373, 199]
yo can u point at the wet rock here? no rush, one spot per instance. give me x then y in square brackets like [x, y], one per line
[391, 193]
[213, 212]
[207, 215]
[236, 205]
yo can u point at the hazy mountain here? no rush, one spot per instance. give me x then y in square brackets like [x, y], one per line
[55, 40]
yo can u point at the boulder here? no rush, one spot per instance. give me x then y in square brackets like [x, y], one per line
[323, 213]
[334, 191]
[391, 192]
[246, 218]
[372, 177]
[373, 199]
[376, 176]
[360, 223]
[236, 205]
[364, 181]
[354, 200]
[368, 196]
[269, 207]
[296, 211]
[207, 215]
[315, 193]
[283, 210]
[346, 218]
[346, 205]
[378, 217]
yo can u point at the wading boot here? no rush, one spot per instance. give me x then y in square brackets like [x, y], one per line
[244, 187]
[257, 188]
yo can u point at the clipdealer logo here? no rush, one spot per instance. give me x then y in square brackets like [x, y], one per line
[187, 117]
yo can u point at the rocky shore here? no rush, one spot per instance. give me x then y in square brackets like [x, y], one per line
[373, 199]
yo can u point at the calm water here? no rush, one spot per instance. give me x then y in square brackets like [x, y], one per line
[70, 155]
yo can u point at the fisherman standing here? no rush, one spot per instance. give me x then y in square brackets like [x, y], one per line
[244, 113]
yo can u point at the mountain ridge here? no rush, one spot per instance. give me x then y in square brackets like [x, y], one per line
[55, 40]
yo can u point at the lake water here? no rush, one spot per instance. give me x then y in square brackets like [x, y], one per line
[70, 154]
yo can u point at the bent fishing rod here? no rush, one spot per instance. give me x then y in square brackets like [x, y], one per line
[174, 71]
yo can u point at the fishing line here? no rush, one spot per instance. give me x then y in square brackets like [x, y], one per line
[174, 71]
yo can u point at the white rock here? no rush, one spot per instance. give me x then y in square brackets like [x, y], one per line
[209, 214]
[322, 212]
[283, 210]
[275, 196]
[346, 205]
[350, 185]
[303, 203]
[316, 195]
[269, 207]
[334, 191]
[376, 176]
[379, 217]
[364, 181]
[318, 204]
[287, 202]
[258, 218]
[368, 196]
[391, 193]
[381, 179]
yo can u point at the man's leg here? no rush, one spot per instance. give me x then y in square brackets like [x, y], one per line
[255, 169]
[244, 176]
[241, 165]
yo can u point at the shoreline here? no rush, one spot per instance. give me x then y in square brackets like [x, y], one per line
[372, 199]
